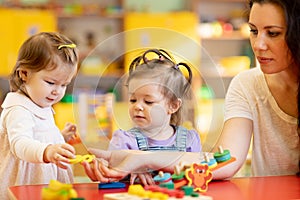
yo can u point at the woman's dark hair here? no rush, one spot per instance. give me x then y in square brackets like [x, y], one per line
[291, 9]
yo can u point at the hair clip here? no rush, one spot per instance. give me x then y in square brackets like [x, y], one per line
[72, 46]
[176, 66]
[160, 57]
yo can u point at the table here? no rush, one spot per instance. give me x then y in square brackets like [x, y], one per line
[246, 188]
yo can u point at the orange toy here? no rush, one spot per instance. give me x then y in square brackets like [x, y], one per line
[199, 176]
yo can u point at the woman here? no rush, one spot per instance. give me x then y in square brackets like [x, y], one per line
[261, 103]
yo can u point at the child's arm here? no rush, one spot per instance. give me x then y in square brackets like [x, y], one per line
[69, 131]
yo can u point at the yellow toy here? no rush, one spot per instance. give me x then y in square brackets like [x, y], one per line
[58, 191]
[82, 158]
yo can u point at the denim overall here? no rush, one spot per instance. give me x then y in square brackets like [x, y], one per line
[180, 143]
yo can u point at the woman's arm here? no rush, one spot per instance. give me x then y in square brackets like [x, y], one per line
[236, 137]
[123, 162]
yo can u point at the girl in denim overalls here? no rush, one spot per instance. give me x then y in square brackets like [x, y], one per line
[158, 92]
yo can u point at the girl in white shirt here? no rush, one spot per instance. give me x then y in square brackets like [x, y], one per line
[32, 148]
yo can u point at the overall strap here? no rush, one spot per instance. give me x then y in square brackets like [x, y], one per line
[141, 140]
[181, 135]
[180, 144]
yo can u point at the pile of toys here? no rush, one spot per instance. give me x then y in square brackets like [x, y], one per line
[185, 183]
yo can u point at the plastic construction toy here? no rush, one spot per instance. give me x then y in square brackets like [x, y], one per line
[210, 161]
[198, 175]
[58, 191]
[82, 158]
[163, 177]
[137, 192]
[111, 185]
[222, 155]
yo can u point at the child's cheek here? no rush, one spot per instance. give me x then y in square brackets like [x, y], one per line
[159, 115]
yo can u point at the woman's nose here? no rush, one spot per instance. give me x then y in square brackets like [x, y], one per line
[259, 43]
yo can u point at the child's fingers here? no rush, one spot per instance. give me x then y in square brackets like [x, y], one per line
[132, 178]
[69, 150]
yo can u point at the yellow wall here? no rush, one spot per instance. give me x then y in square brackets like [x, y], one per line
[175, 32]
[16, 26]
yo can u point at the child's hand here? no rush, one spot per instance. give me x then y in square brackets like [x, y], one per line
[145, 178]
[69, 131]
[59, 154]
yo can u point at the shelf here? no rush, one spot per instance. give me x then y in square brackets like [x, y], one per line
[223, 1]
[235, 35]
[73, 16]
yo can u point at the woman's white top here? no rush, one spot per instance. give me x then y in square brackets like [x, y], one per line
[276, 146]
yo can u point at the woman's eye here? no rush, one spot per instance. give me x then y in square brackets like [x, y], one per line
[253, 31]
[273, 34]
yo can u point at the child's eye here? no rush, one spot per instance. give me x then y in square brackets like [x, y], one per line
[132, 100]
[149, 102]
[49, 82]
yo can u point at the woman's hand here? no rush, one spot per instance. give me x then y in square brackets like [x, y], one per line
[59, 154]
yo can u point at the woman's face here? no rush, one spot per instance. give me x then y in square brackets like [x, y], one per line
[268, 29]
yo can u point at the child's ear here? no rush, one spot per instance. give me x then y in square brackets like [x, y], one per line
[174, 106]
[23, 74]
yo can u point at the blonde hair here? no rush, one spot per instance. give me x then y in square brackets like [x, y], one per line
[165, 70]
[43, 51]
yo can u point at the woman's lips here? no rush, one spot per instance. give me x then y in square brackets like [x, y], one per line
[264, 60]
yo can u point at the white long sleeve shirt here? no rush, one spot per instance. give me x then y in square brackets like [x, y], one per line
[25, 131]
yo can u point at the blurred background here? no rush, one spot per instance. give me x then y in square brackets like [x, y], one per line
[211, 35]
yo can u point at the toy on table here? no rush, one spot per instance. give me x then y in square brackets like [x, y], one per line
[210, 161]
[222, 155]
[179, 175]
[199, 176]
[137, 192]
[58, 191]
[111, 185]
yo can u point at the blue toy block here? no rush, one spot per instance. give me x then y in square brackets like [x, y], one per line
[112, 185]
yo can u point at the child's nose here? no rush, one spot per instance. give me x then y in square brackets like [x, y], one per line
[139, 107]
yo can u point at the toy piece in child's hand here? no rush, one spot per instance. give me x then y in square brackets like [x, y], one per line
[75, 139]
[77, 143]
[222, 155]
[112, 185]
[82, 158]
